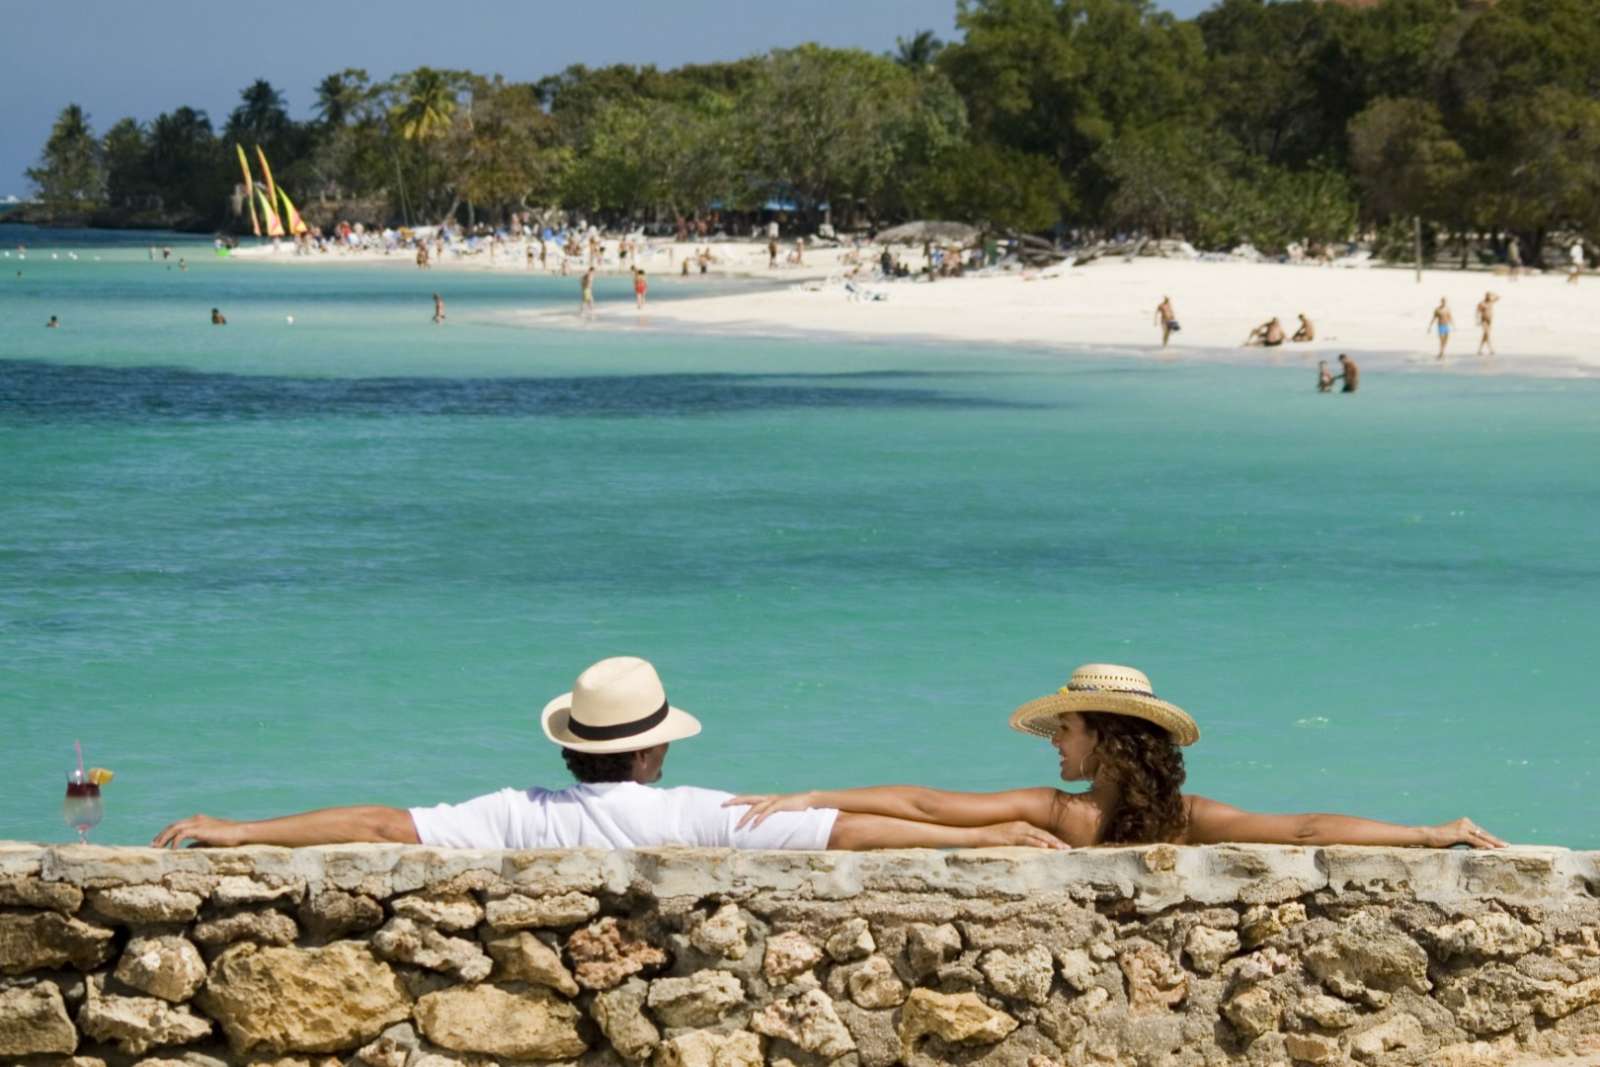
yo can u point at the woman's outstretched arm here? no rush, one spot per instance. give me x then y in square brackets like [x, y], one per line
[911, 802]
[856, 831]
[1215, 823]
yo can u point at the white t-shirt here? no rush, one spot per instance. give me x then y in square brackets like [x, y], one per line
[614, 815]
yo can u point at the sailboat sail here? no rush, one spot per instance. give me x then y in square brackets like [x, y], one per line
[274, 227]
[291, 218]
[249, 192]
[266, 177]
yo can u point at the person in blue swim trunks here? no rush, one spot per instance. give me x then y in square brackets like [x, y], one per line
[1444, 322]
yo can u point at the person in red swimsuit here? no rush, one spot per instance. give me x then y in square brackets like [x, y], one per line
[639, 287]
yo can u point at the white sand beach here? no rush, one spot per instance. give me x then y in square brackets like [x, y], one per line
[1543, 325]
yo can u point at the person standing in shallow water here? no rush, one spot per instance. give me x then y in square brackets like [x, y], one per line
[1444, 322]
[1167, 319]
[1324, 377]
[586, 304]
[1111, 731]
[640, 287]
[438, 309]
[1351, 375]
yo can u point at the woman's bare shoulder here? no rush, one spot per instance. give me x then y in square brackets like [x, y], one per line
[1076, 819]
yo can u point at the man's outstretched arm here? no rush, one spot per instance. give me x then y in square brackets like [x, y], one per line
[329, 826]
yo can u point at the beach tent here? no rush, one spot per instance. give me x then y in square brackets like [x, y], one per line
[915, 233]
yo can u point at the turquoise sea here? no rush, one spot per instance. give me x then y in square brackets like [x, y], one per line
[267, 567]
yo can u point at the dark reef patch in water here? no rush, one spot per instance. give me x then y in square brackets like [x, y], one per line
[49, 392]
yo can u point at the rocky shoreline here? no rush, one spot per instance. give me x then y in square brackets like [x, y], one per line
[388, 956]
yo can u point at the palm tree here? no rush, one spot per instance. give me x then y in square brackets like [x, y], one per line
[917, 52]
[338, 96]
[430, 103]
[260, 116]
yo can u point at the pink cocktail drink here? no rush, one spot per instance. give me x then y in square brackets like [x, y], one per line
[82, 809]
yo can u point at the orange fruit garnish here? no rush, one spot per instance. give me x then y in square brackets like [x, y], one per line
[99, 776]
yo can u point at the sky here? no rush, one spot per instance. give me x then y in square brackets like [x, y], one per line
[117, 58]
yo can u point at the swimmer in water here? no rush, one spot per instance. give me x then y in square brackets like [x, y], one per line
[218, 318]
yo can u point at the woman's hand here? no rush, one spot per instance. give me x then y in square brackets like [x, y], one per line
[1016, 833]
[764, 804]
[1461, 832]
[202, 830]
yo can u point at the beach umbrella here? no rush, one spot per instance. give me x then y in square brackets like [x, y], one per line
[915, 233]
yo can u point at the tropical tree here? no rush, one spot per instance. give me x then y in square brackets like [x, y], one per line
[340, 96]
[918, 51]
[125, 150]
[70, 176]
[186, 165]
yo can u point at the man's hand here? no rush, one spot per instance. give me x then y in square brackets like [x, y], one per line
[201, 830]
[764, 804]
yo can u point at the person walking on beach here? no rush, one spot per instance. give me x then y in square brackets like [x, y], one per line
[1324, 377]
[1351, 374]
[772, 253]
[1444, 322]
[438, 309]
[1514, 256]
[1486, 321]
[640, 287]
[1167, 319]
[218, 318]
[1111, 731]
[1306, 332]
[613, 729]
[586, 300]
[1575, 254]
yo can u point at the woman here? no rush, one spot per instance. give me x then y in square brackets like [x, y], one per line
[1113, 733]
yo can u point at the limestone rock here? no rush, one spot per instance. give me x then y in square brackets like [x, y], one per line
[707, 1048]
[606, 952]
[929, 947]
[265, 927]
[874, 984]
[1398, 1033]
[956, 1018]
[165, 967]
[788, 954]
[33, 1020]
[145, 904]
[1208, 949]
[533, 1024]
[403, 941]
[1253, 1011]
[447, 913]
[302, 1000]
[1566, 999]
[1311, 1048]
[1262, 922]
[724, 933]
[1330, 1013]
[334, 913]
[620, 1015]
[25, 892]
[1022, 975]
[700, 1000]
[1490, 999]
[519, 912]
[524, 958]
[392, 1048]
[851, 941]
[877, 1043]
[807, 1020]
[138, 1024]
[1492, 936]
[1155, 981]
[1367, 954]
[44, 940]
[234, 890]
[1259, 966]
[1078, 969]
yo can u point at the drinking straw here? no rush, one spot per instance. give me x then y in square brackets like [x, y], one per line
[79, 748]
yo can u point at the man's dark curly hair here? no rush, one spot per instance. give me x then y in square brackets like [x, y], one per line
[595, 767]
[1142, 758]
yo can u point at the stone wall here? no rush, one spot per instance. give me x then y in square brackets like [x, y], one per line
[384, 956]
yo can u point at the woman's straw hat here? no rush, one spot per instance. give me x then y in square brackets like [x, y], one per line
[617, 705]
[1108, 688]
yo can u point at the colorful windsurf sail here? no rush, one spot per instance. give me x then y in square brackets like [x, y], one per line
[249, 191]
[274, 226]
[291, 218]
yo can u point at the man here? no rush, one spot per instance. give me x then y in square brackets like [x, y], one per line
[613, 729]
[1268, 335]
[586, 287]
[1575, 254]
[1486, 321]
[1307, 330]
[1444, 322]
[1351, 375]
[218, 318]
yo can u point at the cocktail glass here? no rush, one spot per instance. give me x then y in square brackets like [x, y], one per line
[83, 808]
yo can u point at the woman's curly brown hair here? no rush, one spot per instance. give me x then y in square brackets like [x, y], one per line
[1142, 758]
